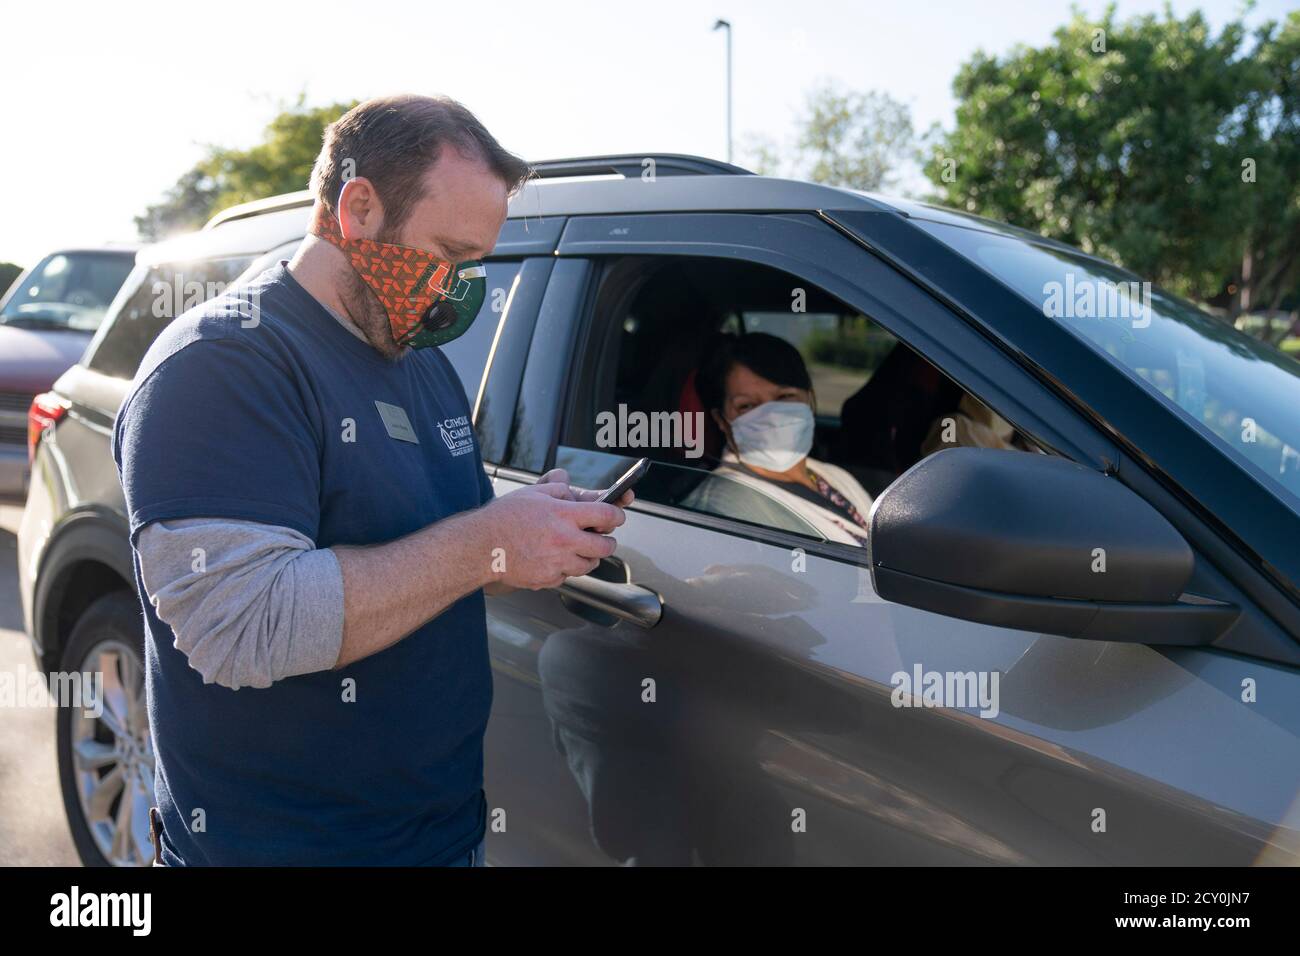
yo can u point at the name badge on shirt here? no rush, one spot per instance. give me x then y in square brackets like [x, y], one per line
[396, 423]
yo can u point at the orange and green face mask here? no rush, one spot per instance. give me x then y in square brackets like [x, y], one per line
[429, 301]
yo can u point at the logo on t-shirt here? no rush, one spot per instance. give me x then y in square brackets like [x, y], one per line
[458, 434]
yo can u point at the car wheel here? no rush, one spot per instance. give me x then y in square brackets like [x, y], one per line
[106, 762]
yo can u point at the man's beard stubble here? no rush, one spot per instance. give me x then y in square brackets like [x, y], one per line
[369, 316]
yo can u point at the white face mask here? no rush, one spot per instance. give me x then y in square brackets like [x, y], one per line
[774, 436]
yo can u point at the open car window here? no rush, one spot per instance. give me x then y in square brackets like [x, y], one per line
[879, 407]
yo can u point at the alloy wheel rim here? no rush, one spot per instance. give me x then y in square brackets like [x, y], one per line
[113, 760]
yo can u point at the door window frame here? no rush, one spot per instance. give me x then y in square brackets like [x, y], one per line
[810, 250]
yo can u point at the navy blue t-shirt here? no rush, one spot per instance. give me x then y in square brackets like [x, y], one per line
[380, 762]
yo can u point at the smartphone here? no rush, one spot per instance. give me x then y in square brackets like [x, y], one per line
[630, 478]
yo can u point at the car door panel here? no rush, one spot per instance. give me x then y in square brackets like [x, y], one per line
[773, 697]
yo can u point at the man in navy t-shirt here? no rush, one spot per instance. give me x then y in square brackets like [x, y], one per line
[313, 529]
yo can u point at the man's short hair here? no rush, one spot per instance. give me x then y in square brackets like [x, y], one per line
[394, 140]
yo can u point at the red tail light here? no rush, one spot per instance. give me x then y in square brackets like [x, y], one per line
[46, 412]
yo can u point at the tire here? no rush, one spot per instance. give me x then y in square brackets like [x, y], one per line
[109, 818]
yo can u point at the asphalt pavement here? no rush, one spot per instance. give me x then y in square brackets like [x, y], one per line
[33, 829]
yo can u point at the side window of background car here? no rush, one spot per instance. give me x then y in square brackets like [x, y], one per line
[165, 292]
[648, 381]
[469, 353]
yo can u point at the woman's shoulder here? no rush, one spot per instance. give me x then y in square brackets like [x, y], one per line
[842, 480]
[833, 473]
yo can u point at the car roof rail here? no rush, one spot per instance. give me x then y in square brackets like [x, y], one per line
[260, 207]
[628, 165]
[631, 165]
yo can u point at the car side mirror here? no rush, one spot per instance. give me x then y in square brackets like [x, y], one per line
[1036, 543]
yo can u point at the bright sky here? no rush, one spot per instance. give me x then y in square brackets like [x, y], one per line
[110, 102]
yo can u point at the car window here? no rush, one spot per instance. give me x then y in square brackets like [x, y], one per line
[1234, 388]
[165, 292]
[68, 290]
[647, 372]
[469, 353]
[170, 289]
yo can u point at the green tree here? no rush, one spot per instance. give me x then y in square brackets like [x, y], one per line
[1270, 269]
[1153, 142]
[858, 140]
[280, 163]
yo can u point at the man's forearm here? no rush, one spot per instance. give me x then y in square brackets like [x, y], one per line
[548, 532]
[391, 589]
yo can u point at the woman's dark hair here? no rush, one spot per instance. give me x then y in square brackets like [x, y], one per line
[773, 358]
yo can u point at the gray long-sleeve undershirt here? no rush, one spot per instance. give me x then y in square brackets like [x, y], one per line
[249, 603]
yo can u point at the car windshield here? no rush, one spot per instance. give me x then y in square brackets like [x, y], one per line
[68, 290]
[1242, 391]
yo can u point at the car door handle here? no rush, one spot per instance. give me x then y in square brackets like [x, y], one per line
[629, 602]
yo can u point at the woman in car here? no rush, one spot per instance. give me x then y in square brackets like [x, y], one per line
[757, 390]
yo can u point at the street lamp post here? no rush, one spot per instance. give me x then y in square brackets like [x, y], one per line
[726, 25]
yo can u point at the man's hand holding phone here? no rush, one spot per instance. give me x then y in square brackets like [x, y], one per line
[550, 531]
[561, 477]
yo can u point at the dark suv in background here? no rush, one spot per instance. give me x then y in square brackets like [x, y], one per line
[732, 687]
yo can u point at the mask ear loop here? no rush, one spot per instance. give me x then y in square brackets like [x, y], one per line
[538, 194]
[338, 209]
[724, 426]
